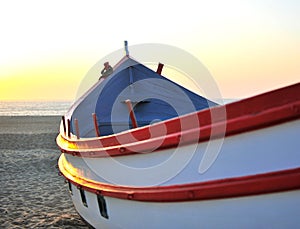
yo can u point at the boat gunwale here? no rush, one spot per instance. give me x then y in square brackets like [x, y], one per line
[254, 113]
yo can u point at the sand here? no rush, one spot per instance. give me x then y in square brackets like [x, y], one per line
[32, 194]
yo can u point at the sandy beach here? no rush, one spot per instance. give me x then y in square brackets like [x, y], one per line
[32, 194]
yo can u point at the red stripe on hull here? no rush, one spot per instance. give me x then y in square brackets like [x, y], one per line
[278, 181]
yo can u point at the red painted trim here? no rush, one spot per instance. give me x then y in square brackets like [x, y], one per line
[261, 111]
[131, 113]
[159, 68]
[279, 181]
[97, 131]
[77, 128]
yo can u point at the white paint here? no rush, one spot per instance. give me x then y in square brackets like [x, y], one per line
[277, 210]
[260, 151]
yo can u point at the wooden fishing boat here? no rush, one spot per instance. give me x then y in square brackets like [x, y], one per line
[140, 151]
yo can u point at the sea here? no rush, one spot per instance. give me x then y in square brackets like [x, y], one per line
[34, 108]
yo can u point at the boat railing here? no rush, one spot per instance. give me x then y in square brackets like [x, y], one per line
[97, 131]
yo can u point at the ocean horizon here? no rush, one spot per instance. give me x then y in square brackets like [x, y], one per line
[34, 108]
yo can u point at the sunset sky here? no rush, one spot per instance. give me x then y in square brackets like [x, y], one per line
[47, 47]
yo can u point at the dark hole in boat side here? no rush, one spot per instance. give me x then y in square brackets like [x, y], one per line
[102, 206]
[83, 198]
[70, 188]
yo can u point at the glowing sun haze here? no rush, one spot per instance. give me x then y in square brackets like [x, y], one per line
[47, 47]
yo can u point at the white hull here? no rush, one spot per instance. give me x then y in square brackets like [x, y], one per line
[278, 210]
[249, 177]
[261, 151]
